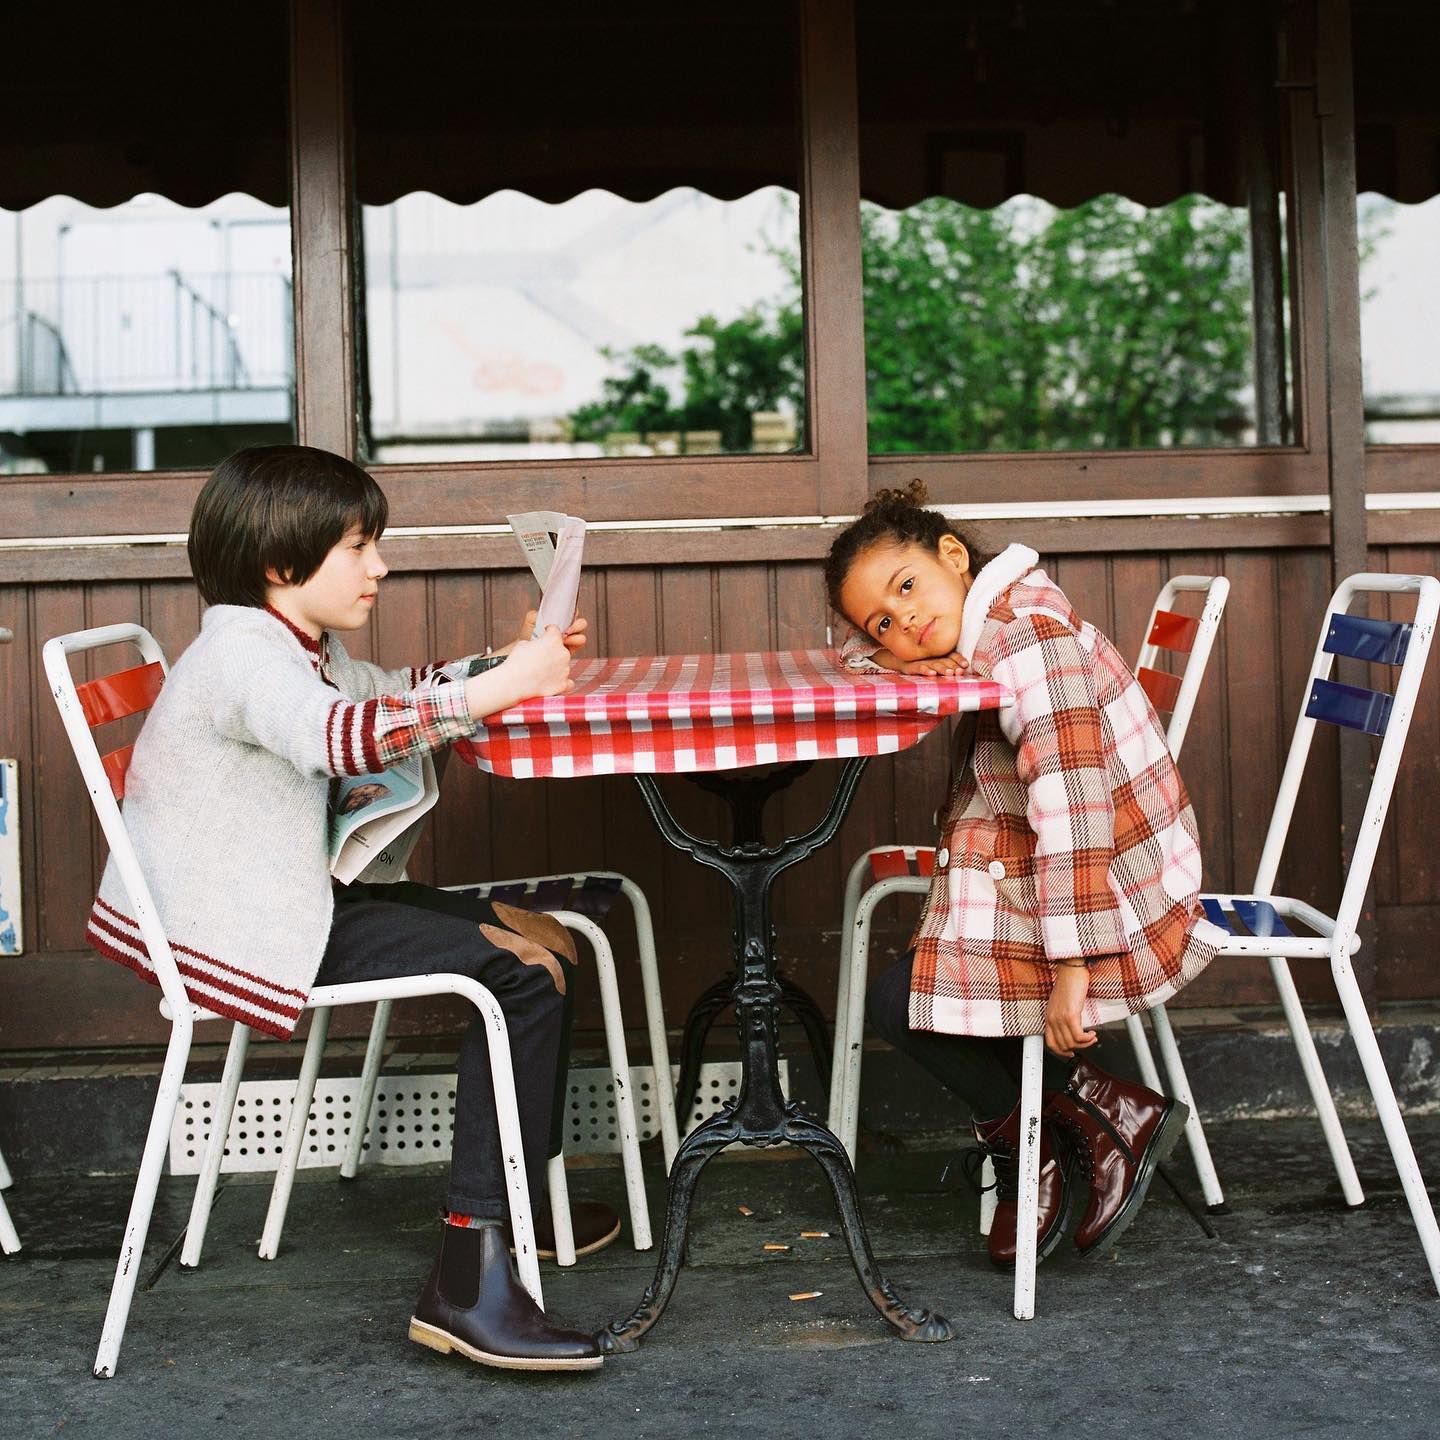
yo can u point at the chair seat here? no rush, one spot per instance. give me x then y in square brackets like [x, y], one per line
[1272, 925]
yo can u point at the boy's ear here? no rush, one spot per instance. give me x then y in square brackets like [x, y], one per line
[954, 553]
[273, 577]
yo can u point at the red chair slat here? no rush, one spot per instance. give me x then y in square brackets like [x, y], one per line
[127, 692]
[1162, 689]
[885, 864]
[925, 860]
[1174, 632]
[117, 764]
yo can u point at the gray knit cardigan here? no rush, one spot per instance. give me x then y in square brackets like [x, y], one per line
[226, 804]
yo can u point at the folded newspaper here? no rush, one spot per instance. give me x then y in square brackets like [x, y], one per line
[375, 819]
[555, 563]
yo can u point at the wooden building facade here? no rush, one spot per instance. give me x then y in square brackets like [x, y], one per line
[737, 565]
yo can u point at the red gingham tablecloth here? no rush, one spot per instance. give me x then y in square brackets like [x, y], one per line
[676, 713]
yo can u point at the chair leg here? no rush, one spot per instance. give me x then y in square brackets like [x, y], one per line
[559, 1189]
[147, 1182]
[365, 1099]
[1179, 1087]
[6, 1179]
[988, 1197]
[215, 1146]
[1028, 1199]
[1315, 1078]
[1135, 1029]
[1421, 1210]
[295, 1134]
[854, 887]
[655, 1021]
[9, 1236]
[619, 1072]
[850, 1047]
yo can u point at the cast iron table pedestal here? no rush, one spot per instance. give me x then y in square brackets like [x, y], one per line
[760, 1114]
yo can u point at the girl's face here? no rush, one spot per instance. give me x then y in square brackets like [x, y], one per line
[907, 598]
[341, 593]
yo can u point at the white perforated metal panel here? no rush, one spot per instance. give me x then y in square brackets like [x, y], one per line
[412, 1117]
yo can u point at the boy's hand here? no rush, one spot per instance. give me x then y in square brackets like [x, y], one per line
[575, 636]
[1064, 1034]
[952, 664]
[538, 667]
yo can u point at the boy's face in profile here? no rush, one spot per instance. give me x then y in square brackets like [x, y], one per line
[341, 593]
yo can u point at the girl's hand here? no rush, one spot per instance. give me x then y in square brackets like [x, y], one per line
[537, 667]
[952, 664]
[1064, 1034]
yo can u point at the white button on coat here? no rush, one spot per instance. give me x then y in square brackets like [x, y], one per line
[997, 869]
[942, 857]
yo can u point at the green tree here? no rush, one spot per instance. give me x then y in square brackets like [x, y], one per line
[1106, 326]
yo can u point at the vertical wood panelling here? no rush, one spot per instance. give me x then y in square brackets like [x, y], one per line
[487, 828]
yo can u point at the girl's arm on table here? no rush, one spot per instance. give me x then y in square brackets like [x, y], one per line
[860, 652]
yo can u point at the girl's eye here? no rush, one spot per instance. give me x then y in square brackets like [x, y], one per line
[906, 583]
[881, 628]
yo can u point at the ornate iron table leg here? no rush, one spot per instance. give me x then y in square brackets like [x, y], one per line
[760, 1114]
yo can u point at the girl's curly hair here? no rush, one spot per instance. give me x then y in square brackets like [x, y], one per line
[892, 517]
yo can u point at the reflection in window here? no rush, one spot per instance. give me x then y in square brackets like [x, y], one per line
[598, 326]
[593, 249]
[1399, 319]
[1104, 326]
[143, 336]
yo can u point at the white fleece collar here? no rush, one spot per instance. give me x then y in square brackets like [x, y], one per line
[996, 577]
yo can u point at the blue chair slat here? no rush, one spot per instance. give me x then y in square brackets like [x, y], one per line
[595, 895]
[1215, 915]
[1382, 641]
[1350, 706]
[552, 895]
[508, 894]
[1261, 918]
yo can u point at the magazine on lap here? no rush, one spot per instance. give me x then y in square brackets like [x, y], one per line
[375, 820]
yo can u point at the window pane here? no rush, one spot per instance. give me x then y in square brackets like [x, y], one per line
[145, 311]
[1399, 319]
[596, 252]
[1057, 250]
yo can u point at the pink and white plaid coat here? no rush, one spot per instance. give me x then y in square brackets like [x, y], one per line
[1067, 835]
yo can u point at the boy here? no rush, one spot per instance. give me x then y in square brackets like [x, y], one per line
[226, 802]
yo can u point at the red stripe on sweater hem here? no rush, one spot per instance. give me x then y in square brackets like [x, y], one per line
[139, 938]
[218, 1007]
[100, 928]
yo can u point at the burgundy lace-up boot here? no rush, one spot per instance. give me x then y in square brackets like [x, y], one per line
[1000, 1140]
[1120, 1132]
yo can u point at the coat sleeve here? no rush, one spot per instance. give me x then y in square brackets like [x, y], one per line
[262, 694]
[1059, 737]
[858, 652]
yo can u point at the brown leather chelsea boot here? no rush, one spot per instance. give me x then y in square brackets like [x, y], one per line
[1120, 1133]
[1000, 1140]
[474, 1303]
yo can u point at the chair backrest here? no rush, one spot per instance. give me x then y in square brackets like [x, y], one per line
[85, 708]
[1189, 635]
[1399, 643]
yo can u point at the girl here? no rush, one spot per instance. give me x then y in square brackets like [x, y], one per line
[1068, 870]
[226, 803]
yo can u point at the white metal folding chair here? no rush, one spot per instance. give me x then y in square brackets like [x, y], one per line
[1280, 928]
[96, 703]
[9, 1239]
[907, 869]
[592, 889]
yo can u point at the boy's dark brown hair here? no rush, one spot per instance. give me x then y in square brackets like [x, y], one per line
[280, 508]
[892, 517]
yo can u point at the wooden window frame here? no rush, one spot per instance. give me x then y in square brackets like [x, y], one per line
[775, 506]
